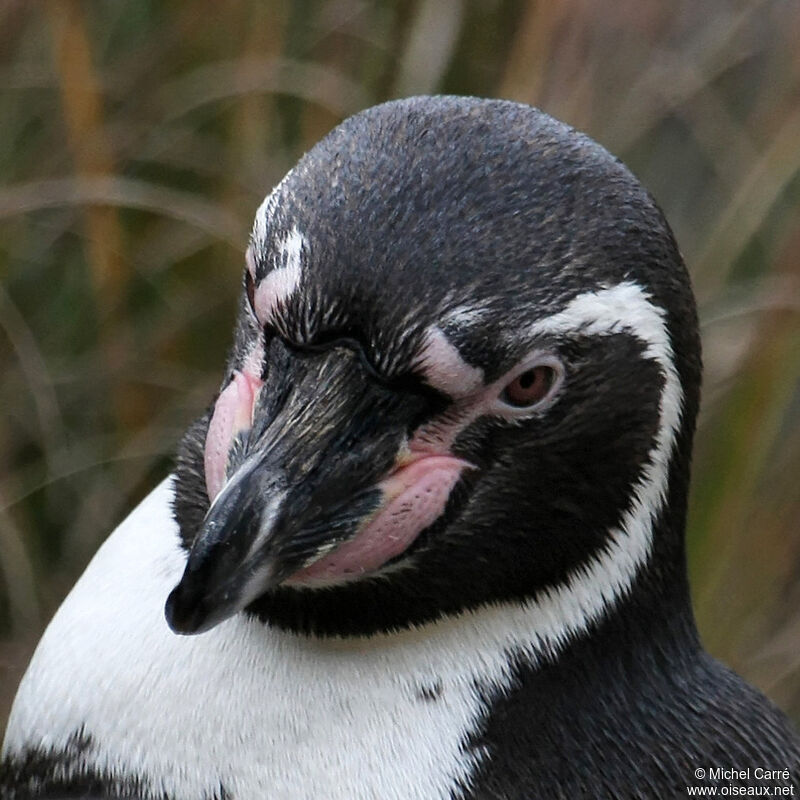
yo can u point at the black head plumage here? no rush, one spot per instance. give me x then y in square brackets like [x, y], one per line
[493, 226]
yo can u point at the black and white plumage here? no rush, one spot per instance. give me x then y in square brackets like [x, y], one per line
[449, 464]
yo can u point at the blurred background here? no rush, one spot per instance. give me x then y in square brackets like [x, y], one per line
[138, 137]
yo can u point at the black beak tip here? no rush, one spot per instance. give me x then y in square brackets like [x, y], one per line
[185, 615]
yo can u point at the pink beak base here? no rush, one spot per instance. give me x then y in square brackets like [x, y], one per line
[415, 496]
[233, 413]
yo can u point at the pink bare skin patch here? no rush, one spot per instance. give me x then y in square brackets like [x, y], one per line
[414, 497]
[233, 413]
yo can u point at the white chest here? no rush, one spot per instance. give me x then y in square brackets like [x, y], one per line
[259, 712]
[265, 714]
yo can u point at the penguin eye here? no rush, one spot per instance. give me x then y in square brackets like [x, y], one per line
[250, 290]
[531, 387]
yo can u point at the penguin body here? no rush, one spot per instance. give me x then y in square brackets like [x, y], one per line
[428, 540]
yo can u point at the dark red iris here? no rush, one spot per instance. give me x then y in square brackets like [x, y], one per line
[529, 387]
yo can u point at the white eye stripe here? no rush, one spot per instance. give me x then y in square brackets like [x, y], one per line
[276, 288]
[464, 317]
[621, 308]
[278, 285]
[443, 367]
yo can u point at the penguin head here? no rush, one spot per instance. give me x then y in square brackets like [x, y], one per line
[465, 371]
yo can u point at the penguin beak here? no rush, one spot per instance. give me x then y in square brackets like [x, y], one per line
[322, 491]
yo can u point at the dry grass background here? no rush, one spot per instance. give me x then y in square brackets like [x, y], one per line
[138, 137]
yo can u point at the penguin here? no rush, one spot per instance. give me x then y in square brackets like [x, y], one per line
[427, 541]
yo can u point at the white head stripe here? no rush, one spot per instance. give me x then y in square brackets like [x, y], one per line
[292, 247]
[589, 590]
[279, 284]
[443, 366]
